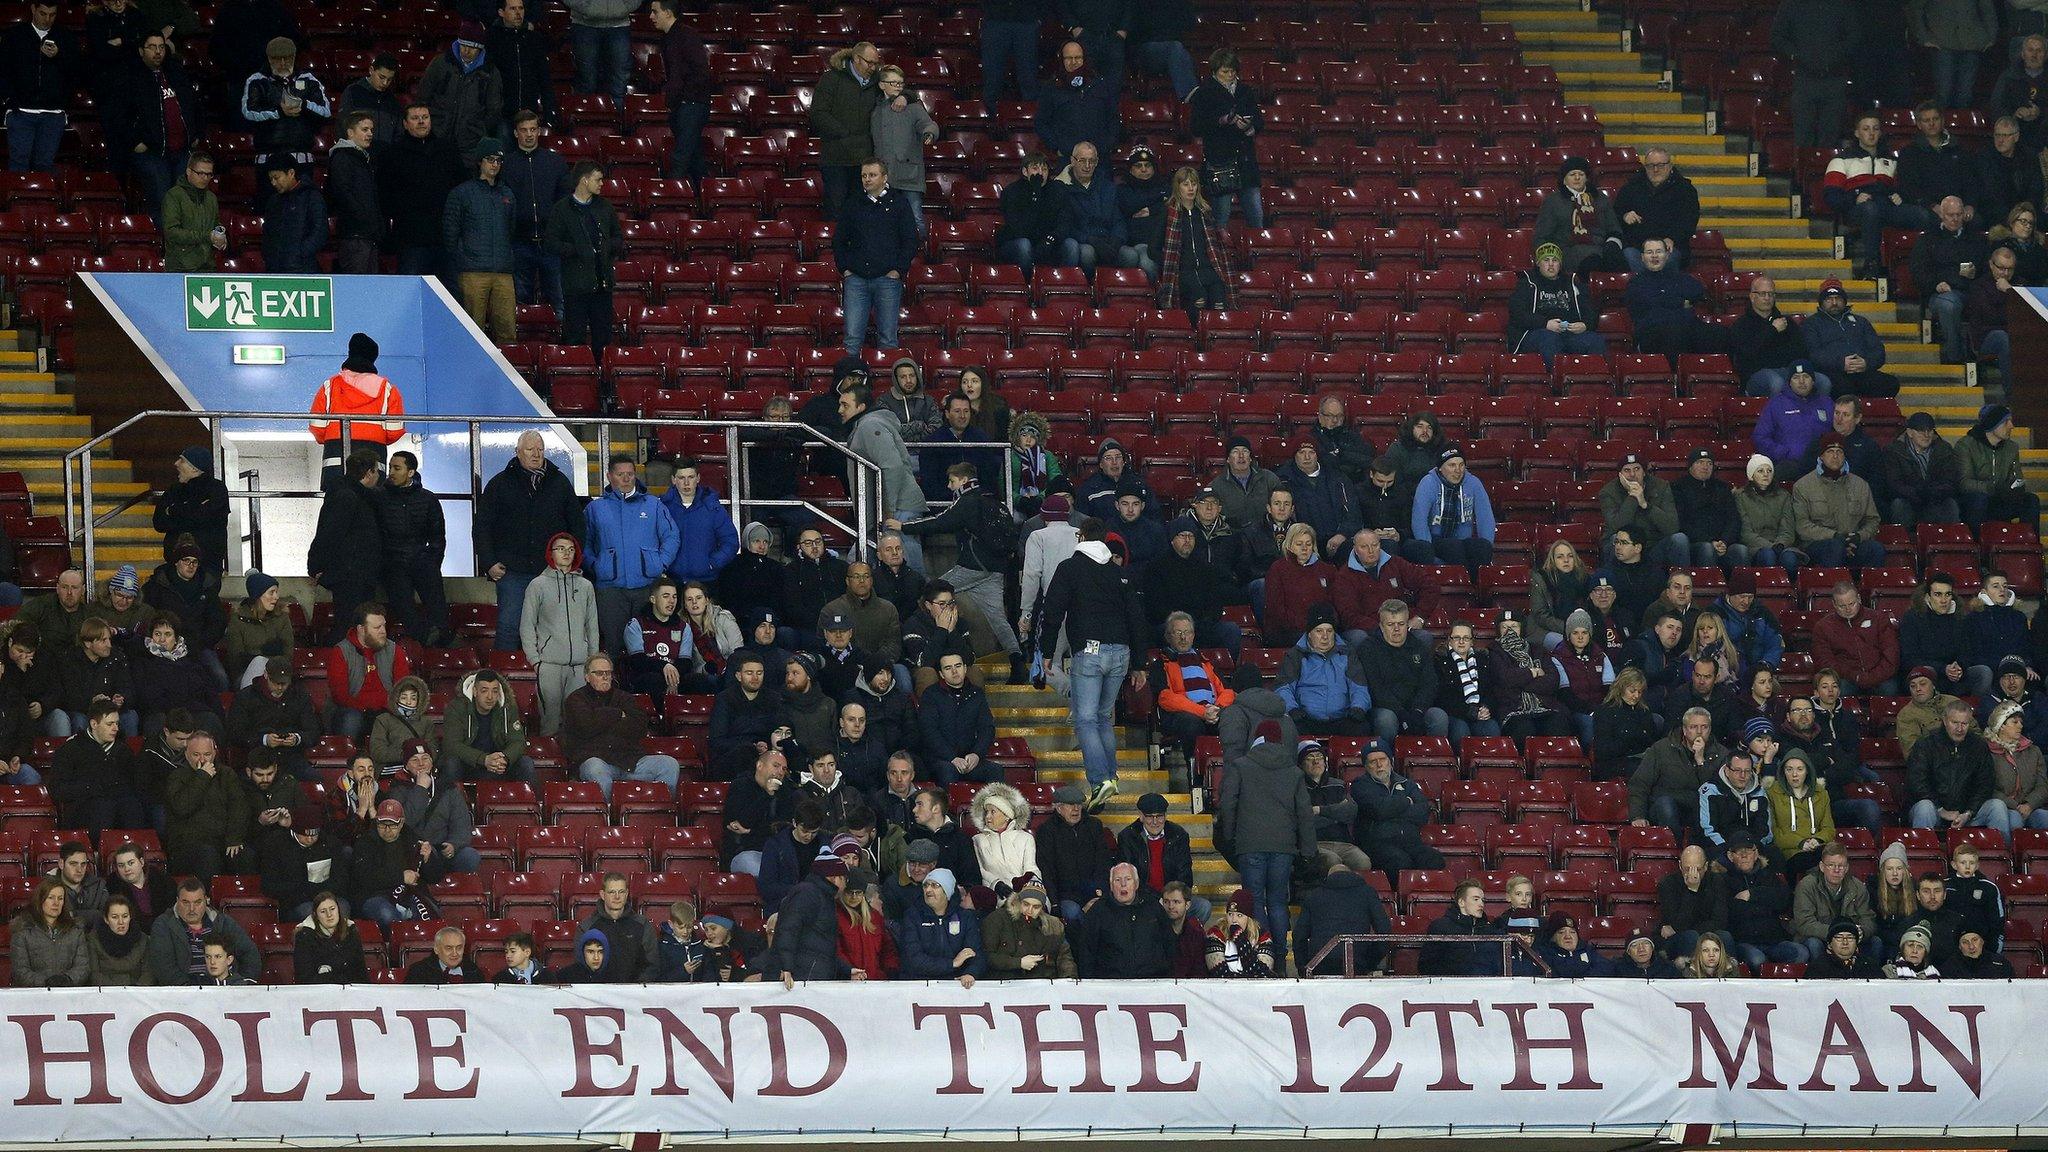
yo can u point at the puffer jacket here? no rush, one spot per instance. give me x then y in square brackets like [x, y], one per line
[391, 730]
[1007, 855]
[705, 538]
[1322, 685]
[1008, 938]
[467, 102]
[1988, 470]
[927, 941]
[1789, 428]
[632, 538]
[476, 228]
[41, 955]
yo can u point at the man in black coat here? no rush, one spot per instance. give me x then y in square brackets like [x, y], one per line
[92, 776]
[1153, 834]
[1075, 853]
[348, 542]
[519, 51]
[197, 503]
[873, 246]
[451, 962]
[1181, 581]
[1124, 937]
[352, 193]
[415, 543]
[294, 220]
[1031, 216]
[277, 714]
[153, 117]
[1765, 343]
[522, 508]
[1818, 38]
[1342, 905]
[39, 65]
[1401, 674]
[583, 238]
[415, 174]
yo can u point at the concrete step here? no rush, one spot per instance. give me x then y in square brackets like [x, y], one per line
[1558, 19]
[1597, 83]
[45, 382]
[1614, 99]
[1570, 39]
[23, 401]
[1579, 61]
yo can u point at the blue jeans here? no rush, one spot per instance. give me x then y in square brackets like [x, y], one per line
[1668, 812]
[1857, 814]
[658, 769]
[1460, 729]
[1270, 877]
[2038, 818]
[880, 295]
[1025, 254]
[1955, 77]
[519, 771]
[25, 777]
[511, 604]
[1783, 952]
[1254, 208]
[1170, 57]
[1835, 553]
[131, 723]
[1009, 44]
[1947, 310]
[1874, 215]
[916, 202]
[537, 276]
[383, 911]
[349, 723]
[1997, 343]
[1074, 254]
[32, 139]
[1221, 634]
[747, 863]
[686, 122]
[913, 546]
[1471, 551]
[1096, 678]
[1771, 381]
[157, 173]
[1550, 345]
[1991, 814]
[604, 59]
[1787, 558]
[1388, 725]
[1703, 556]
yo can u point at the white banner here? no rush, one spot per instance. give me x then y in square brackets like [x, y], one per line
[1322, 1058]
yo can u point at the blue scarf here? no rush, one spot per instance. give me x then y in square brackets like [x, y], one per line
[1194, 678]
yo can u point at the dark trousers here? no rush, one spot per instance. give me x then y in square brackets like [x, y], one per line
[349, 595]
[355, 256]
[403, 580]
[1180, 730]
[840, 181]
[1817, 106]
[2011, 504]
[686, 125]
[157, 173]
[588, 320]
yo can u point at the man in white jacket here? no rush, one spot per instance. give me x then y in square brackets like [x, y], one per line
[1044, 551]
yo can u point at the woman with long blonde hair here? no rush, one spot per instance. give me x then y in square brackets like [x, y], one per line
[1710, 642]
[1710, 960]
[1194, 269]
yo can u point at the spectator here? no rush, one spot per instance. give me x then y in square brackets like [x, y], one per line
[1942, 922]
[1767, 344]
[602, 727]
[284, 106]
[477, 228]
[524, 507]
[809, 716]
[1829, 900]
[1802, 812]
[1078, 105]
[1950, 780]
[874, 624]
[583, 236]
[94, 667]
[1228, 116]
[1862, 187]
[1191, 695]
[1769, 535]
[297, 860]
[1091, 227]
[451, 962]
[275, 714]
[1579, 218]
[352, 191]
[420, 170]
[1392, 811]
[92, 778]
[148, 891]
[1643, 505]
[151, 109]
[168, 675]
[2022, 234]
[372, 93]
[1946, 258]
[661, 652]
[519, 51]
[1400, 675]
[1464, 676]
[1623, 727]
[1819, 39]
[2006, 174]
[1997, 634]
[558, 628]
[1194, 269]
[1936, 633]
[1956, 33]
[538, 178]
[384, 867]
[757, 807]
[1665, 789]
[1845, 348]
[874, 244]
[1452, 521]
[1934, 167]
[120, 948]
[1323, 681]
[1527, 690]
[600, 32]
[957, 727]
[465, 92]
[1030, 208]
[1466, 917]
[326, 946]
[2019, 777]
[179, 938]
[1661, 300]
[1243, 488]
[1009, 45]
[1993, 486]
[1265, 820]
[294, 221]
[1550, 314]
[482, 733]
[41, 63]
[190, 217]
[1708, 517]
[630, 950]
[1984, 311]
[1974, 962]
[1922, 713]
[1022, 942]
[1004, 848]
[1097, 603]
[842, 113]
[1834, 513]
[1074, 852]
[1125, 937]
[1692, 905]
[1923, 474]
[1732, 803]
[632, 542]
[241, 32]
[902, 128]
[1658, 201]
[2020, 93]
[206, 813]
[1142, 198]
[407, 719]
[1794, 421]
[184, 588]
[360, 672]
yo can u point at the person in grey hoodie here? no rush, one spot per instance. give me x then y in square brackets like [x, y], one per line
[558, 627]
[901, 127]
[601, 33]
[910, 402]
[1265, 817]
[1252, 707]
[878, 438]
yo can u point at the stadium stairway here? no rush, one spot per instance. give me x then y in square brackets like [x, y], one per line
[38, 425]
[1595, 61]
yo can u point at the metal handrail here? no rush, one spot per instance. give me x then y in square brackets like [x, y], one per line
[1348, 941]
[78, 494]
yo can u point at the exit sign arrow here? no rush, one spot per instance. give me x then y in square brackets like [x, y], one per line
[205, 302]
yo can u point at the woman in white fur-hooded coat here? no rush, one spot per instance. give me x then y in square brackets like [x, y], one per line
[1004, 846]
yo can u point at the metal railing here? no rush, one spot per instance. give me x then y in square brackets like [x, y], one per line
[864, 491]
[1348, 943]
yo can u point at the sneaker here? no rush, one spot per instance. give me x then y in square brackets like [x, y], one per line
[1103, 792]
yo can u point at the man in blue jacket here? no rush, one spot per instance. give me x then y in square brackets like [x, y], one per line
[1091, 227]
[294, 222]
[1078, 104]
[1845, 347]
[1323, 687]
[629, 540]
[705, 538]
[957, 729]
[476, 228]
[874, 244]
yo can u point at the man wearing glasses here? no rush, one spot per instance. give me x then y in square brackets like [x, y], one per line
[1657, 202]
[191, 219]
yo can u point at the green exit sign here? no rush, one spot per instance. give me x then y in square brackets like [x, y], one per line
[259, 304]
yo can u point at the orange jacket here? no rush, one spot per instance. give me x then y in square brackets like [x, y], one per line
[1173, 694]
[358, 394]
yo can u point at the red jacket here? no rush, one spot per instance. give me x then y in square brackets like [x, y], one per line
[872, 950]
[1359, 593]
[1292, 588]
[1864, 649]
[375, 694]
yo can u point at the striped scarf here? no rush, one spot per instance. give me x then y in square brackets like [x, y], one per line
[1194, 678]
[1466, 668]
